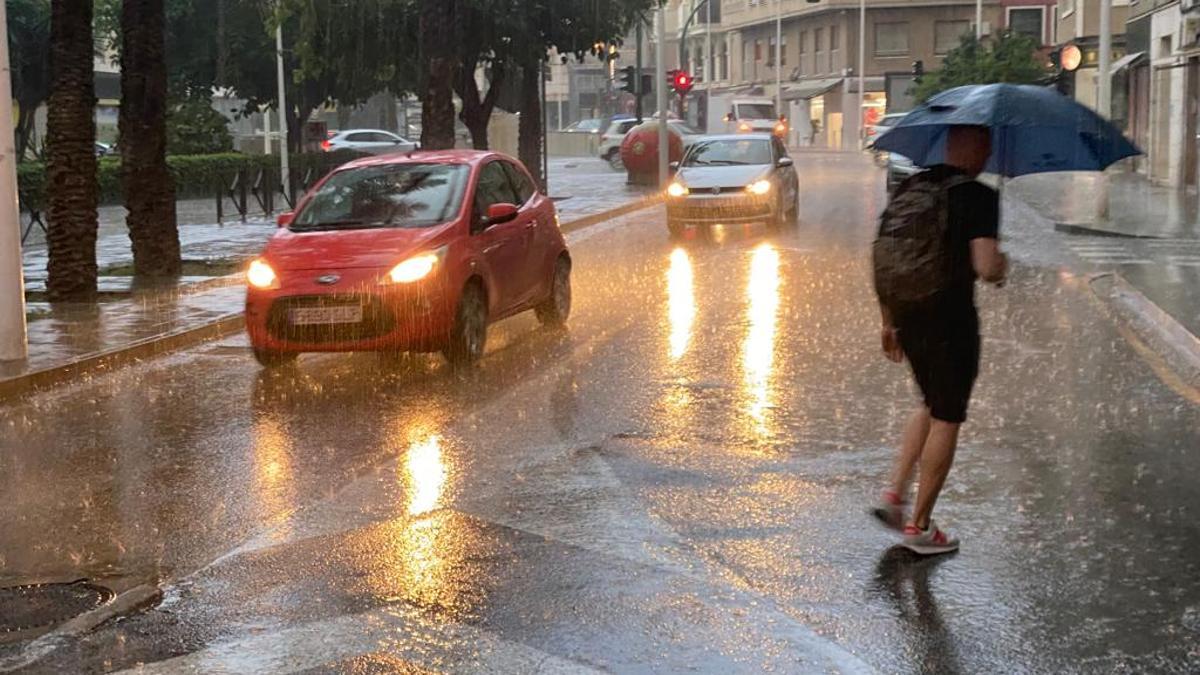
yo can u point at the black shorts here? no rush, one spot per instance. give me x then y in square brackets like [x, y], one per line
[943, 350]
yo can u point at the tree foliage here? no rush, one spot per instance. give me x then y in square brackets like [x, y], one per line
[29, 54]
[1010, 58]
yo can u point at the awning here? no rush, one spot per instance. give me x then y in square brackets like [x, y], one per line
[806, 89]
[1126, 61]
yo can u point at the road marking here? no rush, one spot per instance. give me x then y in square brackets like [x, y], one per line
[404, 632]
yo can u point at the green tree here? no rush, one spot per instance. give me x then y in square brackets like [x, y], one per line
[71, 155]
[1010, 58]
[146, 179]
[29, 50]
[195, 128]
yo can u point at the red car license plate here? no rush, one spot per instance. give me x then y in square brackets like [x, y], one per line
[312, 316]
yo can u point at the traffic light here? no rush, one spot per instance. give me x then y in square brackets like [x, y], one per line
[918, 68]
[682, 82]
[629, 79]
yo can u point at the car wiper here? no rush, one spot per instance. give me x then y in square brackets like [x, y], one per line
[334, 225]
[728, 162]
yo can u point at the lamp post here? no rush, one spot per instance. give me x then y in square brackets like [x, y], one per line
[660, 57]
[862, 68]
[13, 341]
[284, 170]
[778, 57]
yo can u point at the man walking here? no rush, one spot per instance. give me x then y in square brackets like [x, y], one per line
[936, 237]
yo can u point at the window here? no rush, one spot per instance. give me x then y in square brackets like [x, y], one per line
[724, 64]
[396, 195]
[493, 188]
[891, 39]
[783, 52]
[1066, 7]
[758, 53]
[833, 38]
[818, 39]
[521, 183]
[1027, 21]
[947, 34]
[803, 40]
[772, 52]
[780, 148]
[359, 138]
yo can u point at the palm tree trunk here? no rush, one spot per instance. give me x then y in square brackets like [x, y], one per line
[71, 155]
[529, 127]
[145, 177]
[437, 51]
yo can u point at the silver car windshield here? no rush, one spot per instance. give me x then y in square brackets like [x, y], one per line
[396, 195]
[730, 152]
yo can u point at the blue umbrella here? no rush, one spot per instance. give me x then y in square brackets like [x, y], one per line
[1034, 130]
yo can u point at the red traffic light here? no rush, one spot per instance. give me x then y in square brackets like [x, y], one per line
[683, 82]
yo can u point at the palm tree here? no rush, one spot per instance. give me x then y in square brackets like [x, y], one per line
[438, 52]
[71, 155]
[145, 177]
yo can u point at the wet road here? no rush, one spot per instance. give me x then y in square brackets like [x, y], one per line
[677, 483]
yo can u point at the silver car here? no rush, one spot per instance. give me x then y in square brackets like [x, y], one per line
[370, 141]
[899, 168]
[733, 179]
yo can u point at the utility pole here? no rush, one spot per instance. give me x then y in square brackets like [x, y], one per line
[285, 184]
[778, 57]
[660, 56]
[637, 84]
[13, 338]
[710, 70]
[862, 68]
[978, 19]
[1104, 90]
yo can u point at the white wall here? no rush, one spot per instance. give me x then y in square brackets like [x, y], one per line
[1167, 169]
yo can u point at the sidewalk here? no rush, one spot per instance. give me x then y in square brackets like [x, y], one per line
[129, 325]
[1137, 207]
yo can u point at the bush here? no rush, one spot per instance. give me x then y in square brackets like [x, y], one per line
[195, 175]
[195, 128]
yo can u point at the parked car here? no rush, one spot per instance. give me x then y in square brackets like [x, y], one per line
[591, 125]
[408, 253]
[874, 131]
[899, 168]
[371, 141]
[734, 179]
[610, 142]
[103, 149]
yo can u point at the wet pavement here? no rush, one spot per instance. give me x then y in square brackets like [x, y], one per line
[679, 482]
[1151, 236]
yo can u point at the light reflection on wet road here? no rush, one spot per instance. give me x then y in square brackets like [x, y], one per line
[678, 482]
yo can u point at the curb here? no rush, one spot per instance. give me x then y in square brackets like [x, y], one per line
[129, 602]
[112, 359]
[220, 327]
[1089, 231]
[1154, 330]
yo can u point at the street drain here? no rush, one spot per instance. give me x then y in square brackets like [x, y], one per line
[34, 606]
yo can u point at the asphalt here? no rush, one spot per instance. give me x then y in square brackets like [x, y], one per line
[679, 482]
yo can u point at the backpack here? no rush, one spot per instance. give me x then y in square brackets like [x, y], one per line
[911, 254]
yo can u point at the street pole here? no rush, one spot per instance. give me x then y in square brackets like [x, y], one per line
[660, 66]
[267, 133]
[640, 95]
[1104, 91]
[778, 57]
[285, 184]
[978, 19]
[862, 68]
[13, 337]
[709, 66]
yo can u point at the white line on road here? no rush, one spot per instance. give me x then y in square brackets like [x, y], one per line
[404, 632]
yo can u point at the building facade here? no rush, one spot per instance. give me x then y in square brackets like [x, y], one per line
[1163, 40]
[817, 54]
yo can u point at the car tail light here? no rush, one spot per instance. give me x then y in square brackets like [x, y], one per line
[326, 146]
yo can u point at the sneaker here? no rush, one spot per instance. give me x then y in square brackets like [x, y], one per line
[931, 541]
[890, 510]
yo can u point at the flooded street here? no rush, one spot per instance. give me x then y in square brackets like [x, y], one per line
[680, 481]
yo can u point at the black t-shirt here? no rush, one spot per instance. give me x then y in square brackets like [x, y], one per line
[974, 214]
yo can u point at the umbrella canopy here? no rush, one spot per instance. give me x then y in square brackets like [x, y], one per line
[1034, 130]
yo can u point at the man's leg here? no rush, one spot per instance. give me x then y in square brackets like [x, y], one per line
[936, 458]
[915, 434]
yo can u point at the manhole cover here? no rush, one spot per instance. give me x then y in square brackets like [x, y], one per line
[41, 605]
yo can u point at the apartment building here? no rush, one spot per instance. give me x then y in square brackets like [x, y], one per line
[817, 56]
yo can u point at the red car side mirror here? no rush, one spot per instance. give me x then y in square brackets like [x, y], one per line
[501, 213]
[284, 219]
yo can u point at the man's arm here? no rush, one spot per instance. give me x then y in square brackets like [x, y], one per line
[888, 337]
[989, 262]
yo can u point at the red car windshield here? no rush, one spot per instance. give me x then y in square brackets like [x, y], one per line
[392, 195]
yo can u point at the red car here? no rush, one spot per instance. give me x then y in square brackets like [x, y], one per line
[417, 252]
